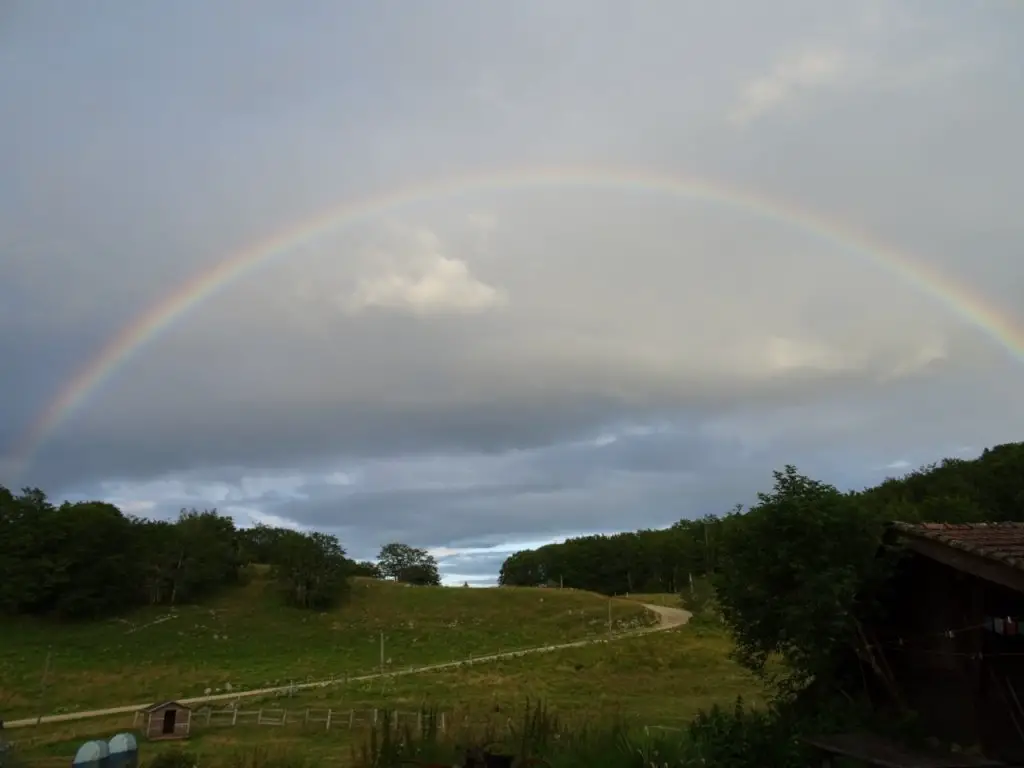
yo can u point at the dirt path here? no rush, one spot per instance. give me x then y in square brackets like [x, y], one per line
[668, 618]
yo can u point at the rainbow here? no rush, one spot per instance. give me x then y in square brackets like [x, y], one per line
[146, 329]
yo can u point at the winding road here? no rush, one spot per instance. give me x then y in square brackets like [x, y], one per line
[668, 618]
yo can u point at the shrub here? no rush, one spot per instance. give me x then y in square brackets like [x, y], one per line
[745, 738]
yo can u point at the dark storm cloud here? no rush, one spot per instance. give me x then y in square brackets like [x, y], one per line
[134, 441]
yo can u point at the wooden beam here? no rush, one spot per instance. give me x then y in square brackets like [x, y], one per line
[968, 562]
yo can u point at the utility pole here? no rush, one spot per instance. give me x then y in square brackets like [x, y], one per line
[42, 687]
[383, 679]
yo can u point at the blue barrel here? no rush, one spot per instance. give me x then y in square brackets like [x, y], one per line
[92, 754]
[124, 751]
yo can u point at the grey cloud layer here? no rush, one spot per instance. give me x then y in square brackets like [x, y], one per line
[572, 358]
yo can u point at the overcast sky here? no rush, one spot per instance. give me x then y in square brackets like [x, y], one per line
[502, 366]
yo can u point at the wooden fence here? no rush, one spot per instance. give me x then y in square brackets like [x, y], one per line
[350, 719]
[325, 719]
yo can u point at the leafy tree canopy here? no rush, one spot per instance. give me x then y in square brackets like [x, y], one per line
[86, 560]
[411, 565]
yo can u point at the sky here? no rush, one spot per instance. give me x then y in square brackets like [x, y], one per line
[607, 265]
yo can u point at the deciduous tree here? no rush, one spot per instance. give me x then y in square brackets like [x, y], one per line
[402, 562]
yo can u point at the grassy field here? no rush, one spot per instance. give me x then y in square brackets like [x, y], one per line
[248, 640]
[657, 679]
[654, 680]
[656, 598]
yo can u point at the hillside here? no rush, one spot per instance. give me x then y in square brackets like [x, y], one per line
[247, 639]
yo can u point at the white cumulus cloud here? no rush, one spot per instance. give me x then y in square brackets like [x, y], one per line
[425, 281]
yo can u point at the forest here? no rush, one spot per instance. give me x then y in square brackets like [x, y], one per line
[989, 488]
[85, 560]
[640, 561]
[794, 574]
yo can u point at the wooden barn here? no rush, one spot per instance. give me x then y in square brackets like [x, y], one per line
[167, 720]
[950, 642]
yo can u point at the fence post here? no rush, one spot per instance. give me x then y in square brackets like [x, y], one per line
[259, 717]
[327, 725]
[234, 716]
[209, 714]
[284, 717]
[442, 723]
[351, 719]
[374, 716]
[306, 720]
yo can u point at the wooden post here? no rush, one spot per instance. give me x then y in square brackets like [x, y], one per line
[209, 714]
[284, 717]
[42, 687]
[352, 719]
[374, 716]
[259, 717]
[327, 725]
[305, 720]
[234, 716]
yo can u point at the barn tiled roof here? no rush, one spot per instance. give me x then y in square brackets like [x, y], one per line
[1002, 542]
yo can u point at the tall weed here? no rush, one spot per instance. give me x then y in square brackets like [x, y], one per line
[741, 737]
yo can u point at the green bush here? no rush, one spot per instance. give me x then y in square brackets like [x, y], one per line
[744, 738]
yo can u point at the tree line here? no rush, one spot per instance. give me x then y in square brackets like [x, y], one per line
[802, 570]
[83, 560]
[795, 574]
[640, 561]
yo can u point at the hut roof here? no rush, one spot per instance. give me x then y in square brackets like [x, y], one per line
[164, 705]
[993, 551]
[1003, 542]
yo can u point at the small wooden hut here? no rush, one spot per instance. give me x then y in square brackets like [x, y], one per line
[950, 640]
[166, 720]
